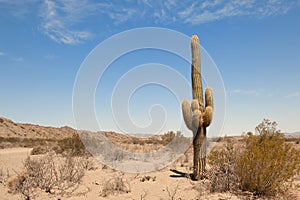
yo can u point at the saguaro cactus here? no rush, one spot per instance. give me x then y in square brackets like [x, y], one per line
[198, 116]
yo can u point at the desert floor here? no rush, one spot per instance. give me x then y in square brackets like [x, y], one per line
[162, 187]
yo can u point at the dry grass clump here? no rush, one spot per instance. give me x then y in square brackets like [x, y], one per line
[51, 174]
[115, 185]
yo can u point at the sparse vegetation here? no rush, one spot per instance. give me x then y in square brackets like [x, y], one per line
[115, 185]
[8, 142]
[267, 163]
[222, 174]
[167, 137]
[148, 178]
[257, 165]
[72, 145]
[265, 166]
[48, 173]
[172, 191]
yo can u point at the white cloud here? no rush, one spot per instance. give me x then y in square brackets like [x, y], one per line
[59, 17]
[63, 20]
[17, 8]
[208, 11]
[245, 92]
[122, 15]
[2, 53]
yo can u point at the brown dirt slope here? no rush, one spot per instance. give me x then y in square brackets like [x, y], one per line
[10, 129]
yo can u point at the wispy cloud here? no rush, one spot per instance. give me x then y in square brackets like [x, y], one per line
[292, 95]
[17, 8]
[59, 17]
[2, 53]
[245, 92]
[50, 56]
[18, 59]
[62, 20]
[208, 11]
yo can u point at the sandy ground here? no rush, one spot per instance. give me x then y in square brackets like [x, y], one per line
[11, 159]
[164, 186]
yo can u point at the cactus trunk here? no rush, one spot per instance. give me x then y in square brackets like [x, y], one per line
[196, 116]
[196, 75]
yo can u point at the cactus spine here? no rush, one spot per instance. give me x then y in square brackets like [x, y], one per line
[198, 116]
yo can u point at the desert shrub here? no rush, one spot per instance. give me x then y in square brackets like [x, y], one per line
[20, 184]
[4, 176]
[115, 185]
[223, 168]
[179, 142]
[267, 163]
[136, 140]
[167, 137]
[47, 174]
[25, 142]
[37, 150]
[152, 140]
[72, 145]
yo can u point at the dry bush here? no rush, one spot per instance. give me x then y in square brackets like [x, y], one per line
[21, 184]
[167, 137]
[147, 178]
[267, 163]
[48, 174]
[115, 185]
[4, 176]
[223, 168]
[202, 188]
[172, 191]
[179, 143]
[72, 145]
[40, 149]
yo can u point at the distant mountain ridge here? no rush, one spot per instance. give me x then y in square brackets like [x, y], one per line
[293, 134]
[8, 128]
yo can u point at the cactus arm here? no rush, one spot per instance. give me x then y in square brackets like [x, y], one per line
[187, 114]
[208, 112]
[207, 116]
[209, 97]
[195, 105]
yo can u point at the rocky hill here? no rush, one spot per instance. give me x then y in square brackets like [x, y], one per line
[10, 129]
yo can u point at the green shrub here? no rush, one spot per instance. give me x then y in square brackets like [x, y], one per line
[267, 163]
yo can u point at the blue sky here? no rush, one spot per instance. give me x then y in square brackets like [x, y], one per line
[255, 45]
